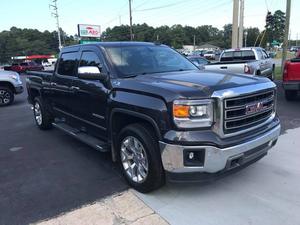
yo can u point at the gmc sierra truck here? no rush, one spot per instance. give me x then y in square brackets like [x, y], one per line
[250, 60]
[156, 112]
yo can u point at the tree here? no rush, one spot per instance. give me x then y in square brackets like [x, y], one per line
[275, 25]
[252, 35]
[18, 41]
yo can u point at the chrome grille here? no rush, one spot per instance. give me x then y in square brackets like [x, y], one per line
[244, 112]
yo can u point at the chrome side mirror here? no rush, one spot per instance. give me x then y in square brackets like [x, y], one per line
[90, 73]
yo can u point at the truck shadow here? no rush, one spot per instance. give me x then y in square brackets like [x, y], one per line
[46, 173]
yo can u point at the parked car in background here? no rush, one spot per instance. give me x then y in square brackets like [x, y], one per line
[291, 77]
[250, 60]
[156, 112]
[199, 61]
[209, 55]
[25, 66]
[294, 48]
[10, 84]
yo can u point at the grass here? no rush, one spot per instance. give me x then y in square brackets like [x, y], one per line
[289, 55]
[278, 74]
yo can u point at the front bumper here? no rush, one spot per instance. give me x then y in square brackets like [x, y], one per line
[292, 85]
[19, 89]
[218, 159]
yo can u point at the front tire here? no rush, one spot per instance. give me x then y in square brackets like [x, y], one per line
[290, 95]
[42, 117]
[6, 96]
[139, 157]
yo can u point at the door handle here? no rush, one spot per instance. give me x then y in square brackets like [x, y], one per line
[75, 88]
[223, 67]
[53, 84]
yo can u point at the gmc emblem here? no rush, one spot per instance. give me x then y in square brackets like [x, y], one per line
[255, 108]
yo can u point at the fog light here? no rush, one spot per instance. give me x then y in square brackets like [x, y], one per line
[191, 155]
[194, 157]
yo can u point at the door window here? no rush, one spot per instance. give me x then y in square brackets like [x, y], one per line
[90, 59]
[265, 54]
[67, 64]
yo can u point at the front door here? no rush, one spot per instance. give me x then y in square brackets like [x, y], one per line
[91, 95]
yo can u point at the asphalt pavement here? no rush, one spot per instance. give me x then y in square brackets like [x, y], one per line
[47, 173]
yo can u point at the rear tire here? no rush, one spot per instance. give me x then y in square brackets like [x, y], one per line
[6, 96]
[290, 95]
[140, 159]
[42, 117]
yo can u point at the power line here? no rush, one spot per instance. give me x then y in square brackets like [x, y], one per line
[54, 13]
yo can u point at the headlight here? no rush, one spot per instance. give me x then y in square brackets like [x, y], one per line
[15, 77]
[193, 113]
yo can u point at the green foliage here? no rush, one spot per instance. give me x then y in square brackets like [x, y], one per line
[175, 36]
[275, 27]
[18, 41]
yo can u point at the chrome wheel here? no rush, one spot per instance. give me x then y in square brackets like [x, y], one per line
[38, 113]
[5, 97]
[134, 159]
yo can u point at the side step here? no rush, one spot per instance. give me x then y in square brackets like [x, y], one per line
[83, 137]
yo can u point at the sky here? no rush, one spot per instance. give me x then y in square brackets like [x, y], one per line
[108, 13]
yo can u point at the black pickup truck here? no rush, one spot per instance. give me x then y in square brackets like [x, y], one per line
[156, 112]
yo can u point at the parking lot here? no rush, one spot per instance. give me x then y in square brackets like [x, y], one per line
[44, 174]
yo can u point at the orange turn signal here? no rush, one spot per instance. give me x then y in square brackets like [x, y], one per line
[181, 111]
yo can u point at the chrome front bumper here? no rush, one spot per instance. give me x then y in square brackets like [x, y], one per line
[216, 159]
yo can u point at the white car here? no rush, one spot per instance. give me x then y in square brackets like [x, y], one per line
[209, 55]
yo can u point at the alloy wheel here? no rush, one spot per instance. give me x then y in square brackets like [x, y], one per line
[5, 97]
[134, 159]
[38, 113]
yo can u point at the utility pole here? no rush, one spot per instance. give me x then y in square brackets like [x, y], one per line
[235, 20]
[194, 42]
[241, 25]
[297, 39]
[286, 32]
[157, 37]
[55, 14]
[130, 18]
[246, 34]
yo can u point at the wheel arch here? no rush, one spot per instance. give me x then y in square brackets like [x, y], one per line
[120, 118]
[9, 85]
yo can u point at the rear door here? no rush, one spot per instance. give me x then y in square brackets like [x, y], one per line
[61, 83]
[91, 95]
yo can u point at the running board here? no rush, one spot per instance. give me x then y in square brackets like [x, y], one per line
[83, 137]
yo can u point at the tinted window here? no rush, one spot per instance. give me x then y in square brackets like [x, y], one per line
[137, 60]
[90, 59]
[238, 55]
[259, 54]
[265, 54]
[67, 64]
[24, 64]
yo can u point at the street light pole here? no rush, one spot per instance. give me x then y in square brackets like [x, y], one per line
[246, 34]
[130, 20]
[235, 20]
[55, 14]
[286, 32]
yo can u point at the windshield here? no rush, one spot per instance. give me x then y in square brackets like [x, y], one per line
[137, 60]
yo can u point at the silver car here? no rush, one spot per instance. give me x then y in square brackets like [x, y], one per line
[250, 60]
[10, 84]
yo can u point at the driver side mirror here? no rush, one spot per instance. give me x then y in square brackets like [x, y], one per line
[91, 73]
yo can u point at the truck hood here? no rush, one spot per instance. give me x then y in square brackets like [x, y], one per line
[185, 84]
